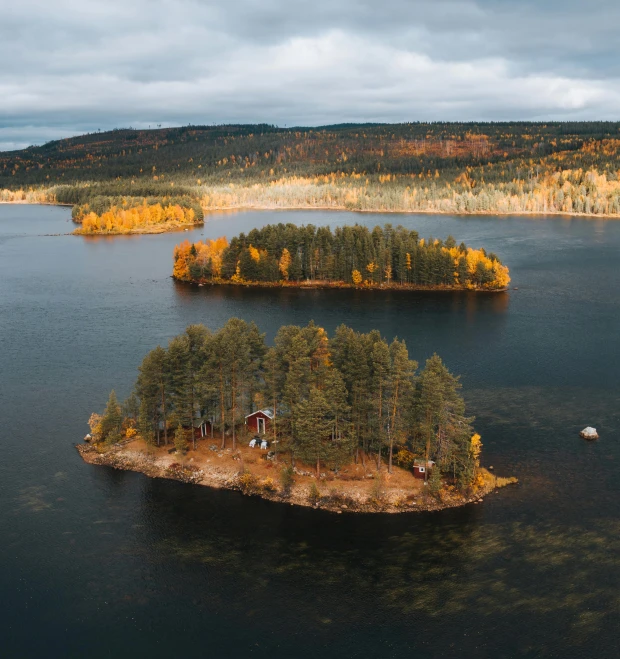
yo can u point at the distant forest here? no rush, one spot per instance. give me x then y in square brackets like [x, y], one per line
[436, 167]
[349, 256]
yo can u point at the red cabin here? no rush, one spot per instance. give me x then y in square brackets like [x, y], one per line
[422, 469]
[259, 421]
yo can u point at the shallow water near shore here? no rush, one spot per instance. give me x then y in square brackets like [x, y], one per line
[96, 562]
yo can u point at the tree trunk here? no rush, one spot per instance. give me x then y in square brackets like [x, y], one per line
[275, 436]
[428, 447]
[234, 408]
[163, 405]
[192, 418]
[222, 408]
[380, 426]
[393, 428]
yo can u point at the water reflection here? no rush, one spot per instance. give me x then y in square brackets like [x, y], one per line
[394, 312]
[404, 570]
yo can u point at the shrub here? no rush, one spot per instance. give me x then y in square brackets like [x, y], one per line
[377, 491]
[404, 458]
[248, 483]
[287, 479]
[434, 482]
[314, 496]
[180, 440]
[114, 437]
[268, 485]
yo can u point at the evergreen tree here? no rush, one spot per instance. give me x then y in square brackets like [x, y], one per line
[442, 431]
[381, 368]
[402, 379]
[153, 386]
[112, 418]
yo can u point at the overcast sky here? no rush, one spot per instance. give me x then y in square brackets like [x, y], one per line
[72, 66]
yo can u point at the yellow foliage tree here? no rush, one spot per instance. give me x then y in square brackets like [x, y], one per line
[237, 278]
[356, 276]
[181, 260]
[94, 424]
[285, 263]
[475, 448]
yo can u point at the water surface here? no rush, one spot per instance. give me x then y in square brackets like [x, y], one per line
[101, 563]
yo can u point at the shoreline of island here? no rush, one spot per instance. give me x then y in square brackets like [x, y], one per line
[337, 285]
[148, 230]
[333, 495]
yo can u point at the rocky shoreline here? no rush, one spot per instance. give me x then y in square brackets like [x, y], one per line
[338, 285]
[122, 456]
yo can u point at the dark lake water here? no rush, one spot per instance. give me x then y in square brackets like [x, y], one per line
[99, 563]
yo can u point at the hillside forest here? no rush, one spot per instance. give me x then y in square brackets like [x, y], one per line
[388, 257]
[351, 397]
[520, 167]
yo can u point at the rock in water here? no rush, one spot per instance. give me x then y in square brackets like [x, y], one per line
[589, 433]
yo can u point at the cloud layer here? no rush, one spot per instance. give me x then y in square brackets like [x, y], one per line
[74, 66]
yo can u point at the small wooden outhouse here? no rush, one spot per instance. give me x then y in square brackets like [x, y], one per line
[422, 468]
[259, 421]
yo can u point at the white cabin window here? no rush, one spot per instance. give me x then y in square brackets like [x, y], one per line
[261, 425]
[421, 470]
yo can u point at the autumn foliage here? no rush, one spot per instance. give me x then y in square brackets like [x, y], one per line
[199, 260]
[128, 220]
[290, 255]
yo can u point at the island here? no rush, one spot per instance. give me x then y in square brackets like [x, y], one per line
[346, 423]
[287, 255]
[104, 217]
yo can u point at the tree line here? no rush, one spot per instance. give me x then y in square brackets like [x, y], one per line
[352, 396]
[349, 255]
[500, 167]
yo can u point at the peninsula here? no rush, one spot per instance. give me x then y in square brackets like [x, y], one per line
[348, 257]
[346, 424]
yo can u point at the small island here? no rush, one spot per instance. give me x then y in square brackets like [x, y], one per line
[102, 216]
[287, 255]
[343, 424]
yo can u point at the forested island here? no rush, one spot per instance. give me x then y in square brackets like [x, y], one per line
[504, 167]
[143, 217]
[343, 423]
[350, 256]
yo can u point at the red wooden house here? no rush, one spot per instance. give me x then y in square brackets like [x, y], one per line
[422, 469]
[259, 421]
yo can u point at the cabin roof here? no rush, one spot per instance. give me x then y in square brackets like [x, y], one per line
[423, 463]
[267, 412]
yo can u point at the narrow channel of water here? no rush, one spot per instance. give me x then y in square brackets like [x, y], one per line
[100, 563]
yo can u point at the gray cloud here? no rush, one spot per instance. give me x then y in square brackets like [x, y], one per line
[74, 66]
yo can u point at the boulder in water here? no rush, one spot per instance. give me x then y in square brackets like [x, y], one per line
[589, 433]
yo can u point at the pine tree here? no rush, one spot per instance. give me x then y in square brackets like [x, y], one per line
[442, 430]
[312, 429]
[380, 390]
[152, 387]
[112, 418]
[402, 380]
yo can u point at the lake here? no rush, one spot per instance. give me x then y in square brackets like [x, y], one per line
[100, 563]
